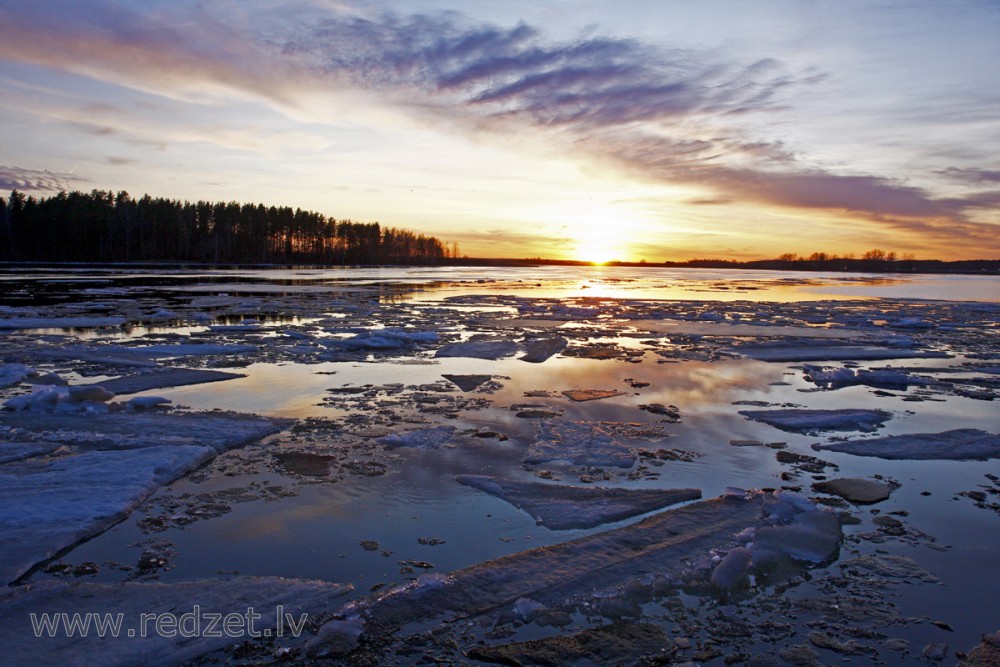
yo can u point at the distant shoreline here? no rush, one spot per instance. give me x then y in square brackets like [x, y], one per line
[847, 266]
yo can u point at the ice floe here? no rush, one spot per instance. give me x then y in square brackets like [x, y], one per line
[848, 377]
[578, 443]
[565, 507]
[479, 349]
[581, 395]
[806, 421]
[809, 351]
[956, 445]
[538, 350]
[113, 462]
[14, 374]
[381, 339]
[163, 378]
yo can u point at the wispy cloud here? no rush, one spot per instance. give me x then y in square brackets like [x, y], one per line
[36, 181]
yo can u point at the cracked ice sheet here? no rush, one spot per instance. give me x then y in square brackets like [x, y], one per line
[217, 431]
[555, 573]
[233, 596]
[578, 443]
[736, 330]
[48, 505]
[560, 507]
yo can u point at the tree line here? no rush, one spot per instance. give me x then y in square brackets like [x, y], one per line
[102, 226]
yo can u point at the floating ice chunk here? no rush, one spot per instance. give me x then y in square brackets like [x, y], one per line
[846, 377]
[423, 438]
[810, 351]
[162, 315]
[193, 349]
[146, 402]
[578, 443]
[561, 507]
[381, 339]
[539, 350]
[12, 374]
[912, 323]
[782, 505]
[805, 421]
[733, 570]
[167, 377]
[581, 395]
[335, 638]
[482, 349]
[527, 610]
[48, 398]
[813, 537]
[956, 445]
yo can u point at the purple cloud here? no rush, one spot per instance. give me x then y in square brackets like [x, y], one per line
[34, 181]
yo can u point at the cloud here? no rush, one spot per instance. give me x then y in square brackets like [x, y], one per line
[488, 72]
[975, 176]
[35, 181]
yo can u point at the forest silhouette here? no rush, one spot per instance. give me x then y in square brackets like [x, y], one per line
[101, 226]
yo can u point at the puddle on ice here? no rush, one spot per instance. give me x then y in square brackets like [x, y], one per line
[652, 367]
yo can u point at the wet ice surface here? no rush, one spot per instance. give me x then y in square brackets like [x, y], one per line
[587, 379]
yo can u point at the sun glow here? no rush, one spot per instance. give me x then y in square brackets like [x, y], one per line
[596, 254]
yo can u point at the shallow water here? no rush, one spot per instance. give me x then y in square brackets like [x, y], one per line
[315, 531]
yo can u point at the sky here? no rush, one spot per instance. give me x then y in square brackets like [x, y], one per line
[570, 129]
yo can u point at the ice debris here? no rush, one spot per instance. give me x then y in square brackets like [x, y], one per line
[13, 374]
[49, 398]
[848, 377]
[956, 445]
[578, 443]
[381, 339]
[561, 507]
[423, 438]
